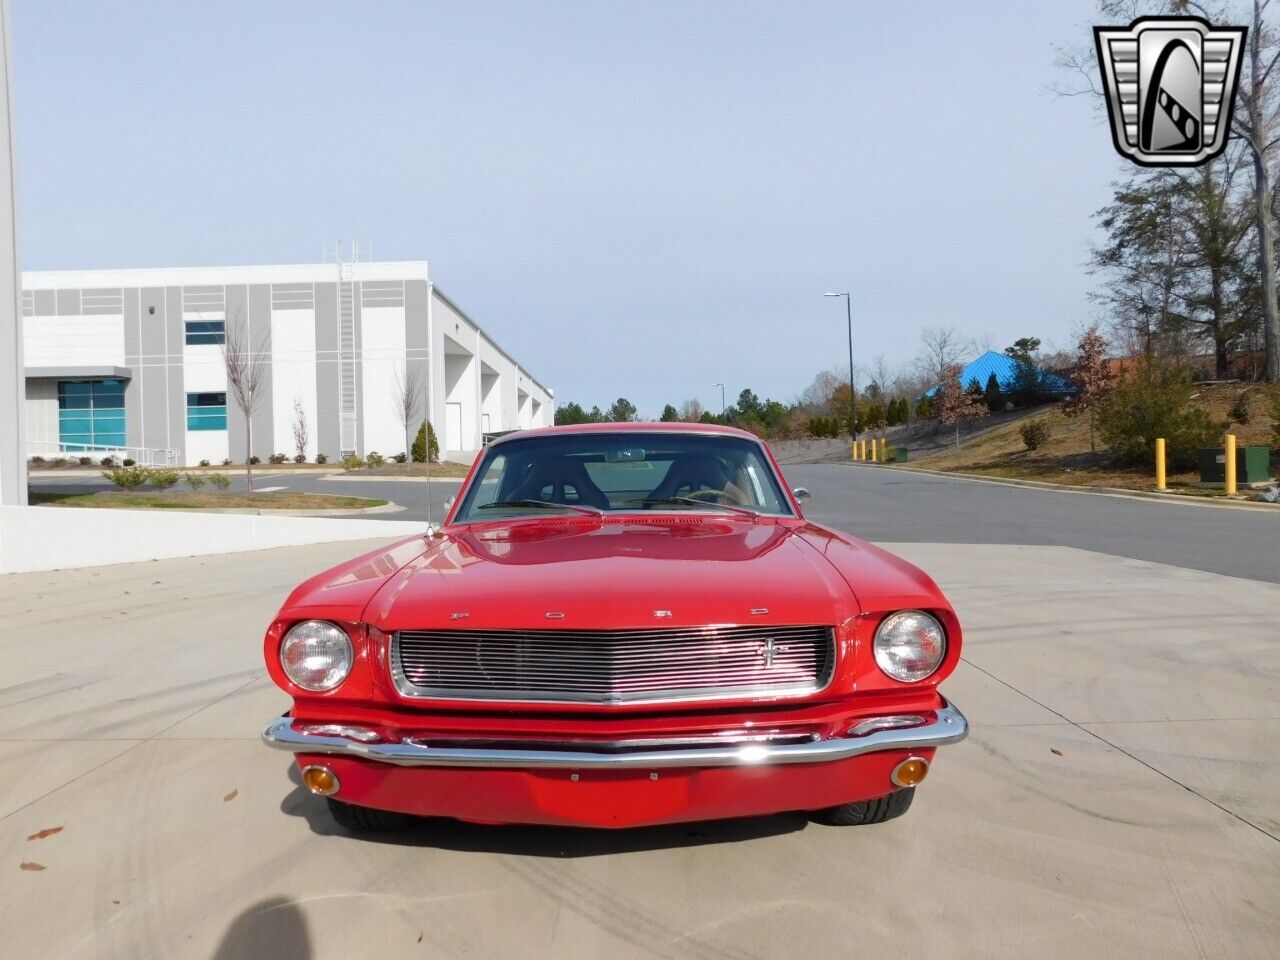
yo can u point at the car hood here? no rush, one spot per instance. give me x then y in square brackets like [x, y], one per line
[614, 573]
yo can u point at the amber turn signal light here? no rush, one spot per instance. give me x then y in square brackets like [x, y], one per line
[320, 780]
[909, 772]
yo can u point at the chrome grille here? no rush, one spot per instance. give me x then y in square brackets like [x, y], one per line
[612, 666]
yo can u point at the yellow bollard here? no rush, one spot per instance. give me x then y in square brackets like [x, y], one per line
[1160, 477]
[884, 449]
[862, 450]
[853, 450]
[875, 451]
[1230, 464]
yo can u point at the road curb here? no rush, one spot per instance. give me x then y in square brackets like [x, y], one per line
[1151, 495]
[392, 479]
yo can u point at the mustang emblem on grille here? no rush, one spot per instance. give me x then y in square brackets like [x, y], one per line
[770, 648]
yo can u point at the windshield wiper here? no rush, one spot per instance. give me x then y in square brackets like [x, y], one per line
[542, 505]
[695, 502]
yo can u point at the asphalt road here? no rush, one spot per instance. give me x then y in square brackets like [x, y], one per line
[897, 506]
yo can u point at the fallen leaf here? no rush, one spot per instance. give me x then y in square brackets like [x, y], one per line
[232, 795]
[419, 936]
[31, 865]
[46, 832]
[1055, 751]
[116, 902]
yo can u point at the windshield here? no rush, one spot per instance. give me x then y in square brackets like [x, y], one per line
[608, 472]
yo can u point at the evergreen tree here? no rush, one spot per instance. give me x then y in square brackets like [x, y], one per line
[992, 395]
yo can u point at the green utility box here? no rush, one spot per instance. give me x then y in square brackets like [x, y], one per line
[900, 454]
[1253, 465]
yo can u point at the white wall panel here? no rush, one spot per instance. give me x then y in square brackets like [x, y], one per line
[382, 351]
[74, 341]
[293, 376]
[203, 369]
[211, 445]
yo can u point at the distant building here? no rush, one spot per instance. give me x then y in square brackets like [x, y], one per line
[129, 363]
[1007, 370]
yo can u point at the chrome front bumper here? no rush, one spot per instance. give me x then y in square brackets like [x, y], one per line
[352, 740]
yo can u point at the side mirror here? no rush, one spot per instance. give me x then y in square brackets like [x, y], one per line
[801, 493]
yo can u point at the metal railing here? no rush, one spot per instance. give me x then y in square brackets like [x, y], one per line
[145, 456]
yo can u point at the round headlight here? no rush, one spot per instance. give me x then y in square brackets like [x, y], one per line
[316, 655]
[910, 645]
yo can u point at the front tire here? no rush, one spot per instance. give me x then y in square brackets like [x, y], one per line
[868, 811]
[367, 819]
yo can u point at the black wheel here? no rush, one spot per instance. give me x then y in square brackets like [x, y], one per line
[868, 811]
[367, 819]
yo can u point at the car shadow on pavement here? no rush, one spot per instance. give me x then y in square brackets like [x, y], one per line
[273, 928]
[537, 841]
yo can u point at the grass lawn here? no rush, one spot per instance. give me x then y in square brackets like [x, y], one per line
[1066, 458]
[443, 469]
[195, 500]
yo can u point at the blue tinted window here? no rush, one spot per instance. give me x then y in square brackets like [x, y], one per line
[206, 411]
[91, 414]
[206, 331]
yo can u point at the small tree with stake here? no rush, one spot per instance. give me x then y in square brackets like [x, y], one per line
[301, 430]
[246, 365]
[406, 392]
[954, 405]
[1094, 377]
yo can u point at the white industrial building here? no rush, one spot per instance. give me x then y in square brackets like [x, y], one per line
[130, 363]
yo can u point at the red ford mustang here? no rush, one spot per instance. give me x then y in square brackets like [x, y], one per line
[617, 624]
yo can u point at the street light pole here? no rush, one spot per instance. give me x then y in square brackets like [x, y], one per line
[722, 406]
[853, 393]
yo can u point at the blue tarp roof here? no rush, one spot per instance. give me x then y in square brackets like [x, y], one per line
[1006, 370]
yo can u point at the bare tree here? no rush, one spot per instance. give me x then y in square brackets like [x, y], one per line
[406, 392]
[954, 404]
[245, 361]
[1257, 127]
[691, 411]
[941, 348]
[301, 431]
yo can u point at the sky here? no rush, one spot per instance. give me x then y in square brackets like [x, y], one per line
[638, 199]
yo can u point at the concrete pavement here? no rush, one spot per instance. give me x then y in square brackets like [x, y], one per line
[1117, 797]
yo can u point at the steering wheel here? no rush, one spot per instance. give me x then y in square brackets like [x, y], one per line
[708, 492]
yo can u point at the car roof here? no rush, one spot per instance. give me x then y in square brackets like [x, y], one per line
[713, 429]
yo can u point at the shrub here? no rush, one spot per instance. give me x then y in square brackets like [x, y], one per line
[375, 459]
[37, 460]
[1150, 403]
[400, 458]
[1240, 412]
[59, 461]
[128, 478]
[425, 445]
[164, 479]
[220, 480]
[254, 461]
[126, 462]
[351, 462]
[105, 461]
[195, 480]
[277, 459]
[204, 463]
[1035, 433]
[227, 462]
[87, 461]
[300, 458]
[321, 458]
